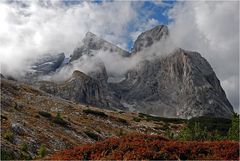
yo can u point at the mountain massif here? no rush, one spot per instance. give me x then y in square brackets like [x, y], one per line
[180, 84]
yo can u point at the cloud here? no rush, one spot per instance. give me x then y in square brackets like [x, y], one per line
[211, 28]
[31, 28]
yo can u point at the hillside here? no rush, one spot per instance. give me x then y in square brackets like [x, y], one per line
[31, 117]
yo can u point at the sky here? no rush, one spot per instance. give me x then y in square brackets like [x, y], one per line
[30, 28]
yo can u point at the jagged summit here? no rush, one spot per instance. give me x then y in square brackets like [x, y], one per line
[148, 37]
[91, 43]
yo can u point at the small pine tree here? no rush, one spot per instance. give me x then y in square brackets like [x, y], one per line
[42, 151]
[233, 133]
[185, 134]
[217, 136]
[58, 116]
[169, 134]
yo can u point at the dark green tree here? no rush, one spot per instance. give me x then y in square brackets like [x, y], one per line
[233, 133]
[42, 151]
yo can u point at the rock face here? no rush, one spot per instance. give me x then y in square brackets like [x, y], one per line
[91, 43]
[84, 89]
[48, 63]
[44, 65]
[180, 85]
[147, 38]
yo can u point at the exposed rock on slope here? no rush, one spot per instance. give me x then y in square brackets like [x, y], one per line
[83, 89]
[180, 85]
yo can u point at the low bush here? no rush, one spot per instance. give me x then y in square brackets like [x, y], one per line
[120, 132]
[164, 119]
[24, 147]
[136, 119]
[45, 114]
[58, 120]
[42, 151]
[92, 135]
[122, 121]
[8, 135]
[96, 113]
[211, 123]
[151, 147]
[7, 155]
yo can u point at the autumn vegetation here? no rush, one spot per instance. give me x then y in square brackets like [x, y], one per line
[153, 147]
[202, 139]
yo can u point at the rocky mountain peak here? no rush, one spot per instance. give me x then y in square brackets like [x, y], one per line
[148, 37]
[91, 43]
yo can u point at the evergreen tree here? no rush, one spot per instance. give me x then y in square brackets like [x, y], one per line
[233, 133]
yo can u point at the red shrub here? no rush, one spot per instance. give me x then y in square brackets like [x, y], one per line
[138, 146]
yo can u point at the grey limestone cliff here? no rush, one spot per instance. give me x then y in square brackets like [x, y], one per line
[182, 84]
[83, 89]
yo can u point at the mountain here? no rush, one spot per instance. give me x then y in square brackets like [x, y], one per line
[180, 84]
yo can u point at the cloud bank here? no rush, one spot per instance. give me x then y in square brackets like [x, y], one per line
[30, 28]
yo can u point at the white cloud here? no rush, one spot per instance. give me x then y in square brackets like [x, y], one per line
[211, 28]
[29, 28]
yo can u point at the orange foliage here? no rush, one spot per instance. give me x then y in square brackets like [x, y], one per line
[139, 146]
